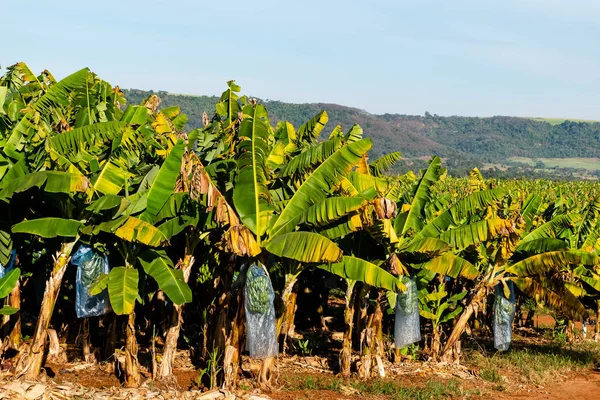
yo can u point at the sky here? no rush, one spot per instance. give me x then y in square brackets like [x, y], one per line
[533, 58]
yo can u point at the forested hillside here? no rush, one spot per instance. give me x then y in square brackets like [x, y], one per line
[464, 141]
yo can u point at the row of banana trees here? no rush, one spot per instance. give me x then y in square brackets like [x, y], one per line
[178, 213]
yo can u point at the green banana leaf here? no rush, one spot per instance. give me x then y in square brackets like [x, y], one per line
[542, 245]
[331, 209]
[164, 184]
[52, 181]
[111, 179]
[476, 232]
[311, 157]
[7, 310]
[59, 92]
[304, 247]
[6, 245]
[136, 230]
[553, 228]
[106, 202]
[384, 163]
[319, 184]
[451, 265]
[74, 140]
[552, 261]
[169, 280]
[250, 193]
[530, 208]
[557, 298]
[466, 207]
[312, 128]
[8, 282]
[354, 134]
[416, 213]
[123, 289]
[358, 269]
[99, 285]
[49, 227]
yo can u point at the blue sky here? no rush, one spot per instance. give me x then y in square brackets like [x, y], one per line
[460, 57]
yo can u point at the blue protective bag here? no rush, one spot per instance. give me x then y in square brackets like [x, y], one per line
[11, 264]
[90, 265]
[504, 314]
[407, 329]
[261, 338]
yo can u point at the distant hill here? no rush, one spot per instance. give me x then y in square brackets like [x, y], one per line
[464, 142]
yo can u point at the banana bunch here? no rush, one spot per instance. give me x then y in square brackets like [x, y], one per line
[258, 291]
[92, 269]
[505, 310]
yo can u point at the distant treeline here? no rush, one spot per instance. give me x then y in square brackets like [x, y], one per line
[463, 141]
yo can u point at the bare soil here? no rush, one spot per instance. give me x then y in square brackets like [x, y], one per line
[577, 387]
[574, 386]
[304, 376]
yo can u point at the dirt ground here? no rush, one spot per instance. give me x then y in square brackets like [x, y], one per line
[575, 386]
[312, 377]
[582, 387]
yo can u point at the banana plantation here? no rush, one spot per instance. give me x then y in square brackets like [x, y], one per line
[129, 239]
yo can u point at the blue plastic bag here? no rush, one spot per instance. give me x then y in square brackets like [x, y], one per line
[261, 339]
[504, 314]
[90, 265]
[11, 264]
[407, 329]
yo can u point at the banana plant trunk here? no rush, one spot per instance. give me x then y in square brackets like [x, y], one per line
[361, 315]
[86, 347]
[346, 352]
[529, 318]
[378, 340]
[373, 349]
[597, 327]
[234, 344]
[366, 359]
[14, 321]
[266, 372]
[133, 378]
[285, 323]
[570, 331]
[37, 350]
[111, 336]
[436, 344]
[449, 352]
[172, 337]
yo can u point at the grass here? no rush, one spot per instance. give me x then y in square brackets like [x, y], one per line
[591, 164]
[309, 382]
[536, 363]
[525, 363]
[433, 389]
[558, 121]
[490, 375]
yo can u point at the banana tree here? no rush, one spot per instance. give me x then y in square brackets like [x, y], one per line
[122, 282]
[527, 259]
[437, 235]
[251, 197]
[439, 306]
[150, 216]
[284, 183]
[60, 203]
[365, 231]
[98, 141]
[136, 146]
